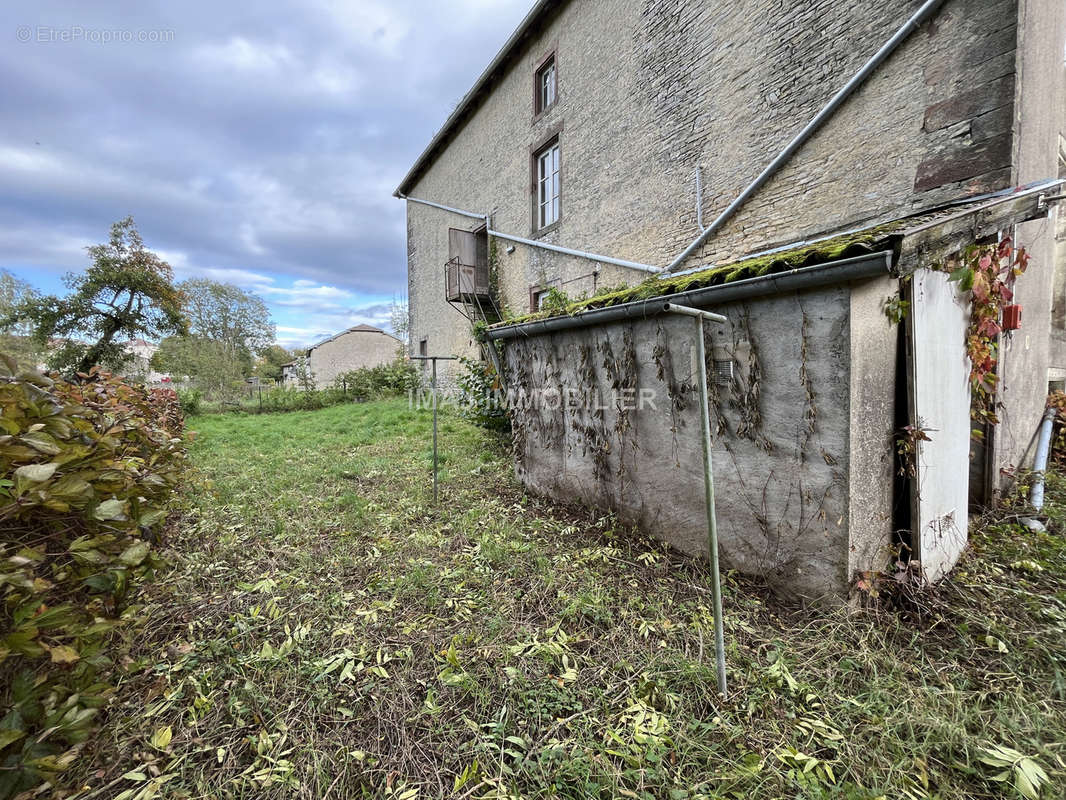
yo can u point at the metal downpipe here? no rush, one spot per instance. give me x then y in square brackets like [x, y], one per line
[1043, 448]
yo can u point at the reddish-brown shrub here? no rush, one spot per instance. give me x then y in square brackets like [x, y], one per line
[86, 469]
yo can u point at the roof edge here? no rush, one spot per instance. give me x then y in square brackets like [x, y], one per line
[505, 54]
[867, 265]
[354, 329]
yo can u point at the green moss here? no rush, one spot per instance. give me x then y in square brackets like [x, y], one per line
[662, 285]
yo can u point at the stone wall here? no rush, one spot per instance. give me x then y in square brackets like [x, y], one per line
[802, 432]
[351, 350]
[649, 91]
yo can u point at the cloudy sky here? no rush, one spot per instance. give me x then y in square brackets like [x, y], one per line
[257, 143]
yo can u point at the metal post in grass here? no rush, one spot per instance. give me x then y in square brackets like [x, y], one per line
[260, 398]
[433, 393]
[708, 481]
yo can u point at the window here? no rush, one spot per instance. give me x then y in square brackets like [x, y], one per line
[547, 161]
[423, 347]
[545, 86]
[537, 295]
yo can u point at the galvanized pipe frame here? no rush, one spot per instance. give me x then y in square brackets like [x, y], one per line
[708, 482]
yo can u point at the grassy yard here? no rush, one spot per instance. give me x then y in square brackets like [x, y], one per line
[327, 632]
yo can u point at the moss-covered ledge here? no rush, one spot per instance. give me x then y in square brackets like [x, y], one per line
[846, 245]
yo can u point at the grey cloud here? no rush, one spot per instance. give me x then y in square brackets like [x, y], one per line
[263, 137]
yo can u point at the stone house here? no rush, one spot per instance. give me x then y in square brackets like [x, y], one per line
[618, 144]
[355, 348]
[139, 366]
[289, 374]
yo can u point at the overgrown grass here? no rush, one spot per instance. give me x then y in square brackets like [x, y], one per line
[327, 632]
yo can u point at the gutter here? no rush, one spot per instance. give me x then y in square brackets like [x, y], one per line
[834, 272]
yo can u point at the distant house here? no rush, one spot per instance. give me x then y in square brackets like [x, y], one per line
[361, 346]
[288, 374]
[139, 365]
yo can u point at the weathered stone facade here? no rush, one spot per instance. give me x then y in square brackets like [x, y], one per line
[649, 91]
[971, 102]
[355, 348]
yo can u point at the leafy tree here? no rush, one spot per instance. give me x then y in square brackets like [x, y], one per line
[208, 363]
[127, 292]
[16, 338]
[224, 313]
[305, 379]
[399, 320]
[271, 360]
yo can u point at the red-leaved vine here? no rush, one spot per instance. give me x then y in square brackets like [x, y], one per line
[988, 272]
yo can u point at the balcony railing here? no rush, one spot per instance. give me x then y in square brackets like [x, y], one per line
[466, 282]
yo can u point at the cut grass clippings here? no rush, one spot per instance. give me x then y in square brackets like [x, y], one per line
[325, 631]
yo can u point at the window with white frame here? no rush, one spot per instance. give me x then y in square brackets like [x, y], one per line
[546, 85]
[548, 185]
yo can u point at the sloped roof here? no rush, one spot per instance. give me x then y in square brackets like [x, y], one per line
[354, 329]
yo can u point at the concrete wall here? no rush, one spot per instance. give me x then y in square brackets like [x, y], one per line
[1039, 113]
[802, 444]
[648, 91]
[351, 350]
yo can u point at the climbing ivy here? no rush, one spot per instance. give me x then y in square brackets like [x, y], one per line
[988, 272]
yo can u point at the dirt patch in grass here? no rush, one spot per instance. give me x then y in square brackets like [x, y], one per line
[327, 632]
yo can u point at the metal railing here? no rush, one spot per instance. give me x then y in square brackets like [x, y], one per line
[466, 280]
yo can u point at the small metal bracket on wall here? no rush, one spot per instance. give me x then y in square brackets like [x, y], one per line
[708, 480]
[433, 393]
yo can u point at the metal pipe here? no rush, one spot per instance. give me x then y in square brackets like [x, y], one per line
[569, 251]
[842, 271]
[674, 308]
[827, 111]
[708, 483]
[1043, 447]
[433, 390]
[699, 200]
[473, 214]
[433, 383]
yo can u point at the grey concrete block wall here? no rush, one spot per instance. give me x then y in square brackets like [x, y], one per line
[648, 91]
[802, 434]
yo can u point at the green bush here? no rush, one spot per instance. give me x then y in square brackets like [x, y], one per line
[368, 383]
[85, 472]
[384, 380]
[483, 399]
[190, 400]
